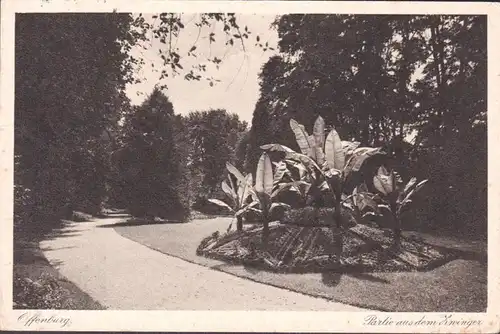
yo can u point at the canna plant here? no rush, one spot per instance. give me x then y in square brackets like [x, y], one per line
[396, 198]
[264, 193]
[361, 203]
[298, 180]
[328, 160]
[238, 194]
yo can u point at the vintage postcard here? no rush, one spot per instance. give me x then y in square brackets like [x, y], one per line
[268, 166]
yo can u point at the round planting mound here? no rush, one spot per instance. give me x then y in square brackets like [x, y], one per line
[292, 248]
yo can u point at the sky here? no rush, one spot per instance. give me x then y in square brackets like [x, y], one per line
[238, 89]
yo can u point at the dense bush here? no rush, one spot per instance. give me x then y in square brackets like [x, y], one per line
[203, 205]
[44, 293]
[312, 216]
[456, 198]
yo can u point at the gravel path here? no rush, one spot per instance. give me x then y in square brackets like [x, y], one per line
[122, 274]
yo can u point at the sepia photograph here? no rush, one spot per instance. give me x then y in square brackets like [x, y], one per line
[248, 161]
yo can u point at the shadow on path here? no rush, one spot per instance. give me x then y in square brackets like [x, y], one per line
[139, 223]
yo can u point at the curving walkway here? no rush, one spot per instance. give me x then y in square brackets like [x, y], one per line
[124, 275]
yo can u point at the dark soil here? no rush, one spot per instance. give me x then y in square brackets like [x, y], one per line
[313, 249]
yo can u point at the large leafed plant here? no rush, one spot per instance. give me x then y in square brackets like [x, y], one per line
[265, 192]
[327, 160]
[237, 192]
[395, 198]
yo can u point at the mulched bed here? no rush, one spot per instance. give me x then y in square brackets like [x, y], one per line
[294, 248]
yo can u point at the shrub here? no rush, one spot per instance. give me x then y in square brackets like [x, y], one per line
[78, 216]
[457, 196]
[251, 217]
[203, 205]
[44, 293]
[312, 216]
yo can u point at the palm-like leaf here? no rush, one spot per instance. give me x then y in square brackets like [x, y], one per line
[349, 146]
[419, 186]
[244, 189]
[221, 204]
[264, 175]
[319, 138]
[229, 191]
[297, 165]
[309, 163]
[410, 185]
[300, 187]
[415, 190]
[280, 171]
[301, 136]
[233, 170]
[358, 157]
[334, 153]
[276, 147]
[365, 200]
[383, 182]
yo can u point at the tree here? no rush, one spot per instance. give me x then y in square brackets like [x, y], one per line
[168, 27]
[148, 161]
[269, 118]
[213, 135]
[69, 91]
[412, 84]
[242, 147]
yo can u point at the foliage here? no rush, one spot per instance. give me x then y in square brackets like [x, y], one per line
[264, 193]
[412, 84]
[238, 192]
[456, 197]
[312, 216]
[241, 149]
[167, 29]
[44, 293]
[395, 198]
[213, 136]
[268, 121]
[152, 175]
[69, 84]
[328, 162]
[361, 203]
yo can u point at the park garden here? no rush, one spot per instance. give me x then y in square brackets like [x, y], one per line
[368, 134]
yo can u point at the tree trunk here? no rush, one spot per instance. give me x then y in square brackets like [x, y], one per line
[397, 236]
[239, 224]
[337, 231]
[438, 55]
[265, 233]
[403, 80]
[338, 215]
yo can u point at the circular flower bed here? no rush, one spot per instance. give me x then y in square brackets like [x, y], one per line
[295, 248]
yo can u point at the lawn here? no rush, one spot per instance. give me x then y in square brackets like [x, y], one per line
[457, 286]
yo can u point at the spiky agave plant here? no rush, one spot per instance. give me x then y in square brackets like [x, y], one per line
[396, 197]
[238, 194]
